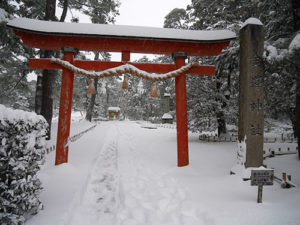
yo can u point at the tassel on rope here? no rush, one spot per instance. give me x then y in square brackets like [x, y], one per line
[125, 83]
[91, 88]
[154, 91]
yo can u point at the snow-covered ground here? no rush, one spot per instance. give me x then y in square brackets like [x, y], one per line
[121, 173]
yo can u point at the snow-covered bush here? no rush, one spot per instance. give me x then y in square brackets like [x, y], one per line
[22, 145]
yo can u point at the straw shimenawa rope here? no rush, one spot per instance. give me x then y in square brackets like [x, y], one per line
[124, 69]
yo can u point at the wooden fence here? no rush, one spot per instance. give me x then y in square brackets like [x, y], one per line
[71, 139]
[235, 139]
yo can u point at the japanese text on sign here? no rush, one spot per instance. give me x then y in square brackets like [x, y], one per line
[262, 177]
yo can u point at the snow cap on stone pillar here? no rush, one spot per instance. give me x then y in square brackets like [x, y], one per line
[253, 21]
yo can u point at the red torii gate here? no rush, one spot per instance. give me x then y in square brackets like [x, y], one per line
[125, 39]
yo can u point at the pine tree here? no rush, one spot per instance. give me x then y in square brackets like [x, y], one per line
[177, 18]
[13, 57]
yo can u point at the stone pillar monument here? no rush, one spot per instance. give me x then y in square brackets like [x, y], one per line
[166, 102]
[167, 117]
[251, 99]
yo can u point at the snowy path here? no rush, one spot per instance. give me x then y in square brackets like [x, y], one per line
[147, 197]
[121, 190]
[97, 202]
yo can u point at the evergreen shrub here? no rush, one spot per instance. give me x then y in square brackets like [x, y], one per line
[22, 144]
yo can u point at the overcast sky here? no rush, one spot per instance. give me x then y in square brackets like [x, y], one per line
[137, 12]
[147, 12]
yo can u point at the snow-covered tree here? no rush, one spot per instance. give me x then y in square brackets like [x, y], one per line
[177, 18]
[13, 61]
[280, 23]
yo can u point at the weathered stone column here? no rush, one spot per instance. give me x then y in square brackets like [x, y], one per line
[251, 99]
[166, 102]
[167, 117]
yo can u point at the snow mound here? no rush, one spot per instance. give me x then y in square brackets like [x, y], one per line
[13, 115]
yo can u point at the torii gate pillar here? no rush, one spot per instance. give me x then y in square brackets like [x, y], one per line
[181, 112]
[65, 109]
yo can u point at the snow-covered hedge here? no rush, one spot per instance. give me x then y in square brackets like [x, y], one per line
[22, 144]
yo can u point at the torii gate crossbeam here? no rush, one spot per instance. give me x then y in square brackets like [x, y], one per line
[125, 39]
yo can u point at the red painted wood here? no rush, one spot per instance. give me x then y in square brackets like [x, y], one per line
[181, 116]
[125, 56]
[103, 65]
[64, 119]
[88, 43]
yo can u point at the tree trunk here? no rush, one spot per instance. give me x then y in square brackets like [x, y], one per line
[296, 14]
[221, 123]
[50, 10]
[90, 109]
[48, 80]
[44, 86]
[298, 113]
[38, 95]
[49, 76]
[292, 116]
[65, 10]
[107, 98]
[220, 112]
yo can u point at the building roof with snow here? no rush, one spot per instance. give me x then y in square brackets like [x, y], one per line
[167, 116]
[114, 109]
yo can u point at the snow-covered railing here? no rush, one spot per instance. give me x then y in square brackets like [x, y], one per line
[71, 139]
[217, 139]
[280, 140]
[234, 138]
[271, 152]
[80, 134]
[285, 181]
[50, 149]
[22, 136]
[165, 125]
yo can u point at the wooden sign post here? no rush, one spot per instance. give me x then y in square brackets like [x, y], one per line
[260, 178]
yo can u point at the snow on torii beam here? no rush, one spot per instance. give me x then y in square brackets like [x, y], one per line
[118, 38]
[125, 39]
